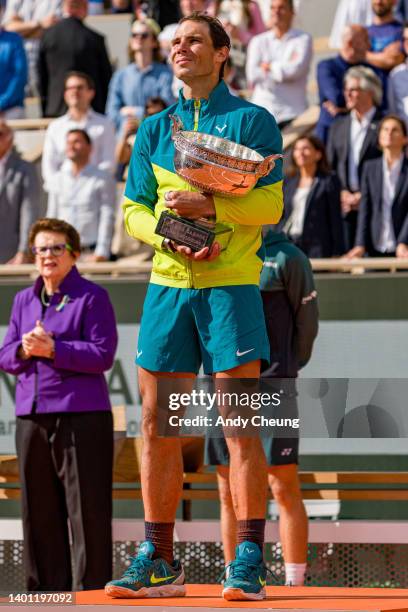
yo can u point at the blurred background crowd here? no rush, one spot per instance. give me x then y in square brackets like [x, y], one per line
[346, 181]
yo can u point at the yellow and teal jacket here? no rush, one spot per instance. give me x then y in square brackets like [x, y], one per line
[152, 174]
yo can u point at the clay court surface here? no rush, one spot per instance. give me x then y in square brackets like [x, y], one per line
[208, 597]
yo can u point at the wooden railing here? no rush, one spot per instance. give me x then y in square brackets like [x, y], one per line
[137, 266]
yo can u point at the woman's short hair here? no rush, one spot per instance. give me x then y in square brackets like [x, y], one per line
[323, 166]
[368, 80]
[59, 227]
[396, 118]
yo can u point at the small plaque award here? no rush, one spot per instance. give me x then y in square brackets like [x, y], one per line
[183, 231]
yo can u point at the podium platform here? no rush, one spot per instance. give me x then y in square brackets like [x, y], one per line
[207, 598]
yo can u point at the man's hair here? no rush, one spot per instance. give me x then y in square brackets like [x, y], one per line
[218, 35]
[369, 81]
[59, 227]
[80, 75]
[83, 133]
[396, 118]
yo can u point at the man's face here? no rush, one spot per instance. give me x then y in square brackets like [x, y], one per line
[191, 6]
[77, 93]
[356, 43]
[6, 138]
[357, 98]
[76, 8]
[281, 14]
[382, 8]
[192, 52]
[77, 150]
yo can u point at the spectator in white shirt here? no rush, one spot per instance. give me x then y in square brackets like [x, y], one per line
[278, 64]
[79, 92]
[383, 219]
[353, 140]
[398, 84]
[84, 196]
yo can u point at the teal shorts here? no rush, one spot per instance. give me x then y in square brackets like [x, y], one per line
[219, 327]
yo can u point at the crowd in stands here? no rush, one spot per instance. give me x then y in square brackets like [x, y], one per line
[346, 192]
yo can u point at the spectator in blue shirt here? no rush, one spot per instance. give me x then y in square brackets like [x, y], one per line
[330, 76]
[385, 37]
[13, 71]
[144, 78]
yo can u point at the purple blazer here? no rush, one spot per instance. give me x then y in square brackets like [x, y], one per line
[84, 330]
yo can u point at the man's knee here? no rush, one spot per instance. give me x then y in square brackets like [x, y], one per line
[149, 422]
[285, 488]
[245, 447]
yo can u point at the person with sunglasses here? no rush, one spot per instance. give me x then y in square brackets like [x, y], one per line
[145, 77]
[60, 340]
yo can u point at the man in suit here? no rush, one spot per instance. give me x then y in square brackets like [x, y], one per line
[353, 140]
[19, 200]
[330, 76]
[67, 46]
[383, 221]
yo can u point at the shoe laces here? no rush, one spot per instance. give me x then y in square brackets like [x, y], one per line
[243, 570]
[138, 566]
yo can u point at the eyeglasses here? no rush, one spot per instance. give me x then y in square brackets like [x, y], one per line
[142, 35]
[352, 90]
[55, 249]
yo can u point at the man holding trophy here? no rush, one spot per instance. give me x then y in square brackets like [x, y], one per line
[205, 175]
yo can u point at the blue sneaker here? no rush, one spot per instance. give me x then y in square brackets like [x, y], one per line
[246, 575]
[147, 577]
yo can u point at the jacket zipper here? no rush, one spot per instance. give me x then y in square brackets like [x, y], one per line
[197, 106]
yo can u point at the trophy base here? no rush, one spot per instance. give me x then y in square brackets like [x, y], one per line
[194, 234]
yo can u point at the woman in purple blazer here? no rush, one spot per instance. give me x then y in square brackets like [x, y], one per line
[61, 339]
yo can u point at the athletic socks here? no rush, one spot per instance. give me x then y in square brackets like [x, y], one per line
[161, 536]
[295, 574]
[251, 530]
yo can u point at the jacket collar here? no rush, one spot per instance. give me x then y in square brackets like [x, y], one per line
[215, 100]
[69, 283]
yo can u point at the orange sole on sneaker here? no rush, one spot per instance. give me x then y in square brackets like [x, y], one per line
[166, 590]
[231, 594]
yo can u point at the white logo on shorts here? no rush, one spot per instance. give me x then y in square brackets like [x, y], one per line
[240, 353]
[285, 452]
[139, 353]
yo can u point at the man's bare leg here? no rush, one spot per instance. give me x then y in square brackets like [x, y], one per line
[153, 572]
[248, 468]
[227, 514]
[293, 525]
[162, 462]
[246, 577]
